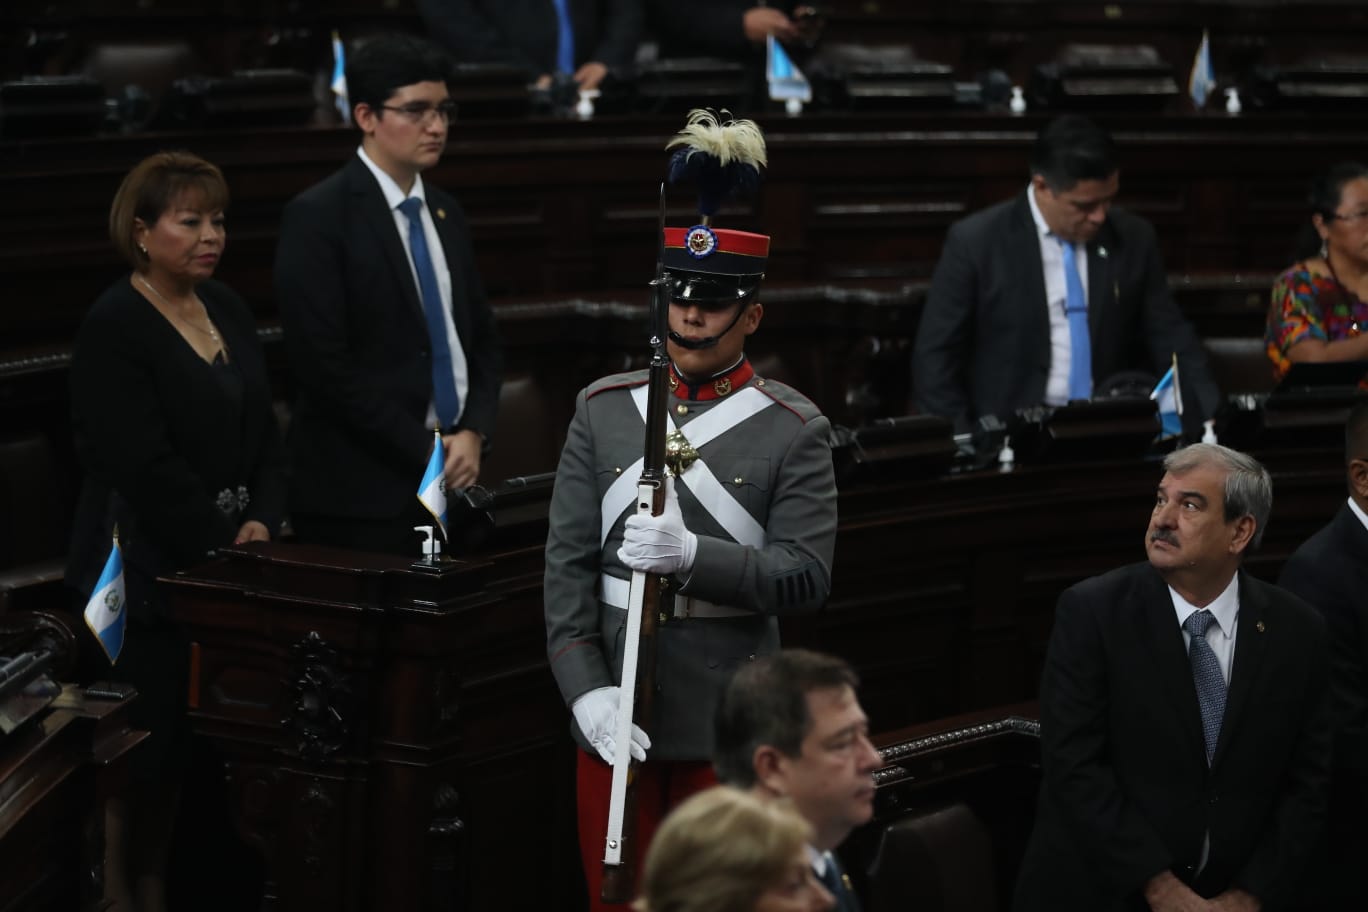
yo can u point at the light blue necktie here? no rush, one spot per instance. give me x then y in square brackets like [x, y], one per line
[446, 401]
[565, 38]
[1206, 674]
[1080, 343]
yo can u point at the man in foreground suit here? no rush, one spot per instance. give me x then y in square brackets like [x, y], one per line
[386, 324]
[1330, 571]
[789, 726]
[1045, 297]
[1185, 732]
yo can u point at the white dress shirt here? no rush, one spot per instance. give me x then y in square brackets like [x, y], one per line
[393, 197]
[1220, 635]
[1362, 517]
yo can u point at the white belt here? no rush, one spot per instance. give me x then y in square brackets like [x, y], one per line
[615, 592]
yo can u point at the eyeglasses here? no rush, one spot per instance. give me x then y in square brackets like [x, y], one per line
[1350, 218]
[420, 111]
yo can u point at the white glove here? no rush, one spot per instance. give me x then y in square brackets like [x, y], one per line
[659, 544]
[596, 714]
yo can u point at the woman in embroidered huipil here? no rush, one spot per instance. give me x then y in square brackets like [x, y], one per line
[1318, 310]
[174, 428]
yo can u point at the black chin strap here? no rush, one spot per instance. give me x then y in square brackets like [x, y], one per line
[710, 341]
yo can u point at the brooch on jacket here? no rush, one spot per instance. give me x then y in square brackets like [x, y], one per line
[231, 502]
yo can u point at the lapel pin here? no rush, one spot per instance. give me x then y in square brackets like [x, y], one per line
[1259, 626]
[1102, 252]
[441, 213]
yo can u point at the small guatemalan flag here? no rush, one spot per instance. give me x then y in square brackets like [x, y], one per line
[1202, 79]
[104, 613]
[339, 79]
[786, 81]
[432, 490]
[1169, 397]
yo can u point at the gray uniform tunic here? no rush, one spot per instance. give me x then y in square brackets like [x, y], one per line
[777, 465]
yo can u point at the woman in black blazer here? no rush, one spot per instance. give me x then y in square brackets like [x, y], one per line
[174, 427]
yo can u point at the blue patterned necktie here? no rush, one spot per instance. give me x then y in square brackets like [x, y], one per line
[1206, 674]
[446, 401]
[565, 38]
[1080, 343]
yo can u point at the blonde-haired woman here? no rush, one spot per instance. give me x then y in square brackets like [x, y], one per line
[724, 850]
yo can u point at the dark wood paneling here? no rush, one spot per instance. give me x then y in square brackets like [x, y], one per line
[563, 208]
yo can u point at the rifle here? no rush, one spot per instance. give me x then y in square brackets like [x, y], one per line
[645, 605]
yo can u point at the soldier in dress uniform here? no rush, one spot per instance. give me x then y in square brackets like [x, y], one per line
[746, 535]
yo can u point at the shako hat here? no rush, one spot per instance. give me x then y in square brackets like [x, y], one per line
[709, 265]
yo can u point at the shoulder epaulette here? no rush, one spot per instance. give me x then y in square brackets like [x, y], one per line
[790, 399]
[628, 380]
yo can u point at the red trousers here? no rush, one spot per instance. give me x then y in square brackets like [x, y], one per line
[660, 786]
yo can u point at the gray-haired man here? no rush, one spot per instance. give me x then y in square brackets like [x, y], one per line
[1184, 728]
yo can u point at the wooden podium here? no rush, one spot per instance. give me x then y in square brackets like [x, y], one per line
[392, 735]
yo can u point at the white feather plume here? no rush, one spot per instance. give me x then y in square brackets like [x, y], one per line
[731, 140]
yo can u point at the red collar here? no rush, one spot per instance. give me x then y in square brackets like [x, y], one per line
[713, 388]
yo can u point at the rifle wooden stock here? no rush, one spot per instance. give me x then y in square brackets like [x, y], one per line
[619, 880]
[619, 876]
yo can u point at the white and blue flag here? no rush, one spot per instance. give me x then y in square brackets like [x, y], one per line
[786, 81]
[432, 490]
[1169, 398]
[1202, 79]
[105, 613]
[339, 79]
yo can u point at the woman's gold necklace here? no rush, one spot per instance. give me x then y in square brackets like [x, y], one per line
[210, 332]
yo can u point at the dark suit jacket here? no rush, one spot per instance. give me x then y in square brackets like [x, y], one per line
[524, 32]
[358, 345]
[1126, 790]
[983, 346]
[1330, 571]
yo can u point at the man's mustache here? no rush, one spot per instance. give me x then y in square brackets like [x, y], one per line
[1164, 535]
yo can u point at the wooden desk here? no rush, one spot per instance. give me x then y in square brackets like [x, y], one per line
[392, 736]
[55, 775]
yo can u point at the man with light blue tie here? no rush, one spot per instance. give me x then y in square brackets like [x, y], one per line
[1184, 717]
[584, 40]
[1042, 299]
[385, 319]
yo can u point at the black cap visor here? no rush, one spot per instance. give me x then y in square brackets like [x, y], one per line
[711, 291]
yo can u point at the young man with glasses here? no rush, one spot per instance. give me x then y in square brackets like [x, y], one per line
[389, 334]
[1044, 297]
